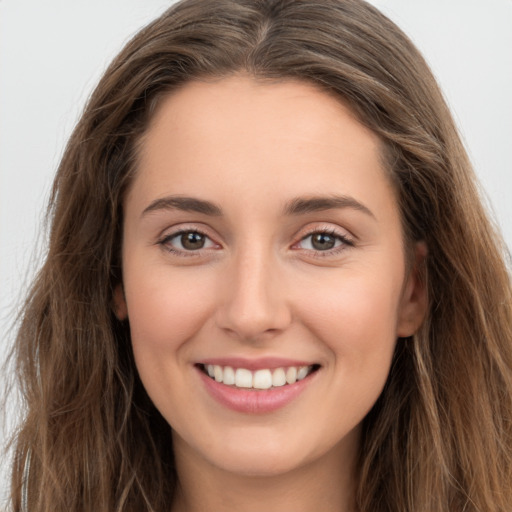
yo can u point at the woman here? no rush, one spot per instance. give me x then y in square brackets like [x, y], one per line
[270, 281]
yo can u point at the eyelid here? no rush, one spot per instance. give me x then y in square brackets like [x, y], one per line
[347, 239]
[175, 231]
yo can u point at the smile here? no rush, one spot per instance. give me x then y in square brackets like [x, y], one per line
[265, 378]
[268, 386]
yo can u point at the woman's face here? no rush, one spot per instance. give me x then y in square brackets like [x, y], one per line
[262, 242]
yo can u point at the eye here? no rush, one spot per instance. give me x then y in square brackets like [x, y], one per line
[187, 241]
[323, 241]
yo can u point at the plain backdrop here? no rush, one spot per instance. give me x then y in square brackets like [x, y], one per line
[52, 53]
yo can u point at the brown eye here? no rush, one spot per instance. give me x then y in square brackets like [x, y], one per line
[322, 241]
[192, 240]
[187, 242]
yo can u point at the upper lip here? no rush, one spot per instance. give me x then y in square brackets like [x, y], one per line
[254, 364]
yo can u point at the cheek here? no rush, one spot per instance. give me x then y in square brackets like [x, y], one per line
[355, 302]
[165, 309]
[357, 322]
[356, 319]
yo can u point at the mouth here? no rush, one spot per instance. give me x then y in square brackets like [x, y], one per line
[258, 380]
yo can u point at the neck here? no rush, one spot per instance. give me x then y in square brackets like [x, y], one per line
[326, 484]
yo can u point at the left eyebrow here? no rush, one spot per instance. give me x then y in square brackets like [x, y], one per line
[302, 205]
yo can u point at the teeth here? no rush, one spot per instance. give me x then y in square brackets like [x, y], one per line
[260, 379]
[291, 375]
[278, 378]
[243, 378]
[229, 376]
[302, 372]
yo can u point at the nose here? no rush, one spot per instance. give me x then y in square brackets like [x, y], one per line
[253, 305]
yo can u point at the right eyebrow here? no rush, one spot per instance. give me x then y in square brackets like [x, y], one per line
[184, 203]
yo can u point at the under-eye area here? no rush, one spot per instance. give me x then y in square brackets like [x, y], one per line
[265, 378]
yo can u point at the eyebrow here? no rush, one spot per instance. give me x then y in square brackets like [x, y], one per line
[300, 206]
[297, 206]
[186, 204]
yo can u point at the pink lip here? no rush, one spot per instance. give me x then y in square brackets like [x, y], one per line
[254, 364]
[254, 401]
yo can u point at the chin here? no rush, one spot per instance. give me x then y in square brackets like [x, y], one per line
[254, 452]
[264, 463]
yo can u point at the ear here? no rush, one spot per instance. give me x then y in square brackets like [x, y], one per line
[120, 307]
[413, 304]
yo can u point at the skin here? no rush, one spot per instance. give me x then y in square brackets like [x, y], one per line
[259, 287]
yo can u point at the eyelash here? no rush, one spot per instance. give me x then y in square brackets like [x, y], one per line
[164, 242]
[346, 242]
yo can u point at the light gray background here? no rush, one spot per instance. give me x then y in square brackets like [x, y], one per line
[53, 52]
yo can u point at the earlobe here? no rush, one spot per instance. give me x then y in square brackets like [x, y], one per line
[414, 302]
[120, 307]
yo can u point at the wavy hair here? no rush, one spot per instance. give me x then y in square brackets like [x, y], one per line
[439, 438]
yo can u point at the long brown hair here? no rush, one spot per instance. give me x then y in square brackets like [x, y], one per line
[439, 439]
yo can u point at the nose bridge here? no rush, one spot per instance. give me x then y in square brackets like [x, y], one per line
[254, 302]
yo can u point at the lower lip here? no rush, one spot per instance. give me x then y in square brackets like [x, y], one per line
[253, 401]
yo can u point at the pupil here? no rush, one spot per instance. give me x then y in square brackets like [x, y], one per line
[192, 240]
[322, 241]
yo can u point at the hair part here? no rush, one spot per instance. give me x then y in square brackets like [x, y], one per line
[440, 436]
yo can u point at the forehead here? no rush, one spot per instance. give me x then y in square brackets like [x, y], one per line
[238, 136]
[238, 103]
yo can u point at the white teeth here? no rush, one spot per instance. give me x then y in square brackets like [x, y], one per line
[303, 372]
[229, 376]
[260, 379]
[218, 373]
[243, 378]
[278, 378]
[291, 375]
